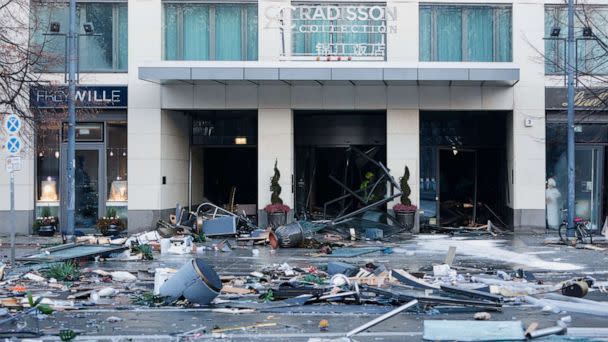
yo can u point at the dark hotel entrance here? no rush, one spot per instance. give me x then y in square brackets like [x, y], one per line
[325, 143]
[463, 171]
[224, 159]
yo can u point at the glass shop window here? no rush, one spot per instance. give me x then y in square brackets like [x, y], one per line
[455, 33]
[116, 160]
[104, 49]
[222, 32]
[47, 166]
[85, 132]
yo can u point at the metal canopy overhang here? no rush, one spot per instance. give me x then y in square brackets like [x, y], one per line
[331, 73]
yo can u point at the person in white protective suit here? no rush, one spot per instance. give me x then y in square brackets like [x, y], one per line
[552, 196]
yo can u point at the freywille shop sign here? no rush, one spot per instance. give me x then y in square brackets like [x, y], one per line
[324, 22]
[86, 96]
[584, 99]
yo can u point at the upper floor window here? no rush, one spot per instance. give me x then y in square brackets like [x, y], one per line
[590, 36]
[200, 31]
[467, 33]
[105, 50]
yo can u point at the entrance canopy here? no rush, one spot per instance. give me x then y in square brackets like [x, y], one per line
[325, 73]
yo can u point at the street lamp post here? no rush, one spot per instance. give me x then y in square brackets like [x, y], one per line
[72, 79]
[71, 159]
[571, 147]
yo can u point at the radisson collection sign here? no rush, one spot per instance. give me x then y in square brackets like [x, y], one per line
[326, 23]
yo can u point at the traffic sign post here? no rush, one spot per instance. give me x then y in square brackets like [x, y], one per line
[12, 126]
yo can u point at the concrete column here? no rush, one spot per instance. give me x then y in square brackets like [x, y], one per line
[175, 144]
[403, 148]
[269, 40]
[526, 149]
[144, 117]
[402, 46]
[275, 142]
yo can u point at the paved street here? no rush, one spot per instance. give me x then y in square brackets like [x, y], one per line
[549, 263]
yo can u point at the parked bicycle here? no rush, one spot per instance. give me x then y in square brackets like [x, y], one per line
[582, 229]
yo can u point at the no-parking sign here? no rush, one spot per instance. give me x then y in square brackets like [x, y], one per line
[12, 124]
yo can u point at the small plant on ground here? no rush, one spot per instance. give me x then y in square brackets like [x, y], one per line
[200, 237]
[66, 271]
[145, 250]
[44, 308]
[268, 296]
[149, 299]
[67, 335]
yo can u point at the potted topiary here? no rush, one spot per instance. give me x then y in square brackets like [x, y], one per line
[405, 211]
[46, 224]
[111, 224]
[276, 211]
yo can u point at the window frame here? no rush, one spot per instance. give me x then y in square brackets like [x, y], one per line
[179, 54]
[464, 8]
[115, 37]
[560, 48]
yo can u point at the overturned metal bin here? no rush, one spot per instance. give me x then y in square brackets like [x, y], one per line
[195, 281]
[293, 234]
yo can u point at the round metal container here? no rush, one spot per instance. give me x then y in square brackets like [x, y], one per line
[196, 281]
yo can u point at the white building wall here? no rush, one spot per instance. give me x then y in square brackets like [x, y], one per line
[527, 160]
[144, 116]
[150, 128]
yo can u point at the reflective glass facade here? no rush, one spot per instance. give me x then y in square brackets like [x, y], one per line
[223, 32]
[105, 51]
[465, 33]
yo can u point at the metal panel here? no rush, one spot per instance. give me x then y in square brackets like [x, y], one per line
[494, 74]
[354, 74]
[71, 251]
[426, 75]
[157, 74]
[443, 330]
[301, 74]
[259, 74]
[400, 74]
[215, 73]
[222, 225]
[443, 74]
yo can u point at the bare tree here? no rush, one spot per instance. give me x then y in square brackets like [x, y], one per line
[27, 54]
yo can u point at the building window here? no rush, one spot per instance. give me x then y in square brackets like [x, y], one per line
[590, 46]
[344, 30]
[106, 51]
[48, 181]
[116, 163]
[469, 33]
[227, 32]
[85, 132]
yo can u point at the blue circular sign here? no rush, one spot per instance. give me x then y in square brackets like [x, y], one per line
[13, 145]
[12, 124]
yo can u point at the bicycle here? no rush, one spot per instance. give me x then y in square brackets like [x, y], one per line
[582, 232]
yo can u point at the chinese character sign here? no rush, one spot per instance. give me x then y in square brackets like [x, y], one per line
[345, 30]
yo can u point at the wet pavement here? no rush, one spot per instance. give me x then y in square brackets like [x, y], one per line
[550, 263]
